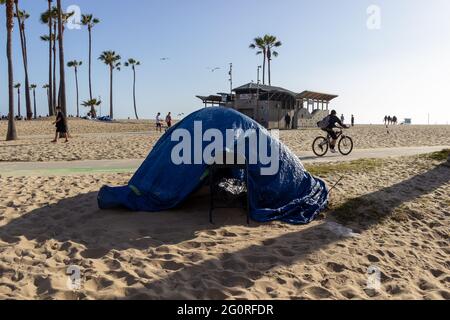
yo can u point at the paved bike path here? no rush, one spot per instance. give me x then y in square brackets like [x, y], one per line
[14, 169]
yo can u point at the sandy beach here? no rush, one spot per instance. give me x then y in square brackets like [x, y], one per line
[135, 139]
[397, 209]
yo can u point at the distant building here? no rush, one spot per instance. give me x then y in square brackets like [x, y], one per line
[269, 105]
[407, 121]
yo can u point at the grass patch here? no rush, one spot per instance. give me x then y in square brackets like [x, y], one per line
[438, 156]
[362, 165]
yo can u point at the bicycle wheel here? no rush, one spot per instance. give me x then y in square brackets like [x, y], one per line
[346, 146]
[320, 146]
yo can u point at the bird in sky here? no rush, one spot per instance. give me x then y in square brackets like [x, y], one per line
[164, 59]
[213, 69]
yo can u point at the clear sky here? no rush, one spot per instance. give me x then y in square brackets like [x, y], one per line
[402, 69]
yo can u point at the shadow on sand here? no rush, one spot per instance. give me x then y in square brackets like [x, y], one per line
[102, 231]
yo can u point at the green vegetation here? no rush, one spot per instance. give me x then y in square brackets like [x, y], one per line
[438, 156]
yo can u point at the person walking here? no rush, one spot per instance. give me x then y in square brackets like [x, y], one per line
[158, 122]
[342, 118]
[169, 120]
[61, 125]
[353, 120]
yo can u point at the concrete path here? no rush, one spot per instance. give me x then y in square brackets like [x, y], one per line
[14, 169]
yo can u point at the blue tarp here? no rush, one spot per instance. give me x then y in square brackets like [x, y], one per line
[291, 195]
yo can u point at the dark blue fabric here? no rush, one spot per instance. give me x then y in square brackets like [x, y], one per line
[292, 195]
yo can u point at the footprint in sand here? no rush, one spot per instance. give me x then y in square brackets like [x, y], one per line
[319, 293]
[373, 258]
[95, 253]
[437, 273]
[336, 267]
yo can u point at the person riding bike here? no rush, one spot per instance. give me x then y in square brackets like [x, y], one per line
[328, 125]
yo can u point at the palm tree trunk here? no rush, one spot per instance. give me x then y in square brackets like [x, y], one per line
[48, 99]
[51, 107]
[59, 93]
[78, 98]
[62, 65]
[27, 81]
[18, 103]
[54, 66]
[25, 61]
[90, 62]
[34, 99]
[134, 93]
[111, 111]
[264, 67]
[270, 76]
[12, 133]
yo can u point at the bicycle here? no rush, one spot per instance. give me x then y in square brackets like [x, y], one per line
[321, 145]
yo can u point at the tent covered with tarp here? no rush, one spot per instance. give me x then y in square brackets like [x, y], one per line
[289, 194]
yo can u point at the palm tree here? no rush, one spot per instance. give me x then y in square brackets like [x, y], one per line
[258, 43]
[89, 21]
[271, 43]
[51, 40]
[47, 87]
[133, 63]
[92, 103]
[17, 86]
[266, 46]
[62, 65]
[50, 17]
[51, 109]
[111, 59]
[33, 88]
[12, 133]
[22, 16]
[75, 64]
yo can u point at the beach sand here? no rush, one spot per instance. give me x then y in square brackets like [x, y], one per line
[398, 208]
[135, 139]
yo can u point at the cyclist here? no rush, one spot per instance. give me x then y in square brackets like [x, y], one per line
[329, 124]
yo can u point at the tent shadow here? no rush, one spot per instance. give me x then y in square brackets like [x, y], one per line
[79, 220]
[224, 276]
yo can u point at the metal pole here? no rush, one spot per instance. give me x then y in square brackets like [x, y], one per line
[259, 68]
[231, 79]
[257, 96]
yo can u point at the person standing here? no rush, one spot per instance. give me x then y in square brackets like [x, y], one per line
[169, 120]
[158, 122]
[61, 125]
[288, 119]
[342, 118]
[353, 120]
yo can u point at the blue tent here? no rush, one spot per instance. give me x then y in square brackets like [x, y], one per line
[291, 194]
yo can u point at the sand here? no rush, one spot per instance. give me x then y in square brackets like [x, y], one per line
[135, 139]
[399, 210]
